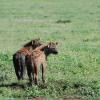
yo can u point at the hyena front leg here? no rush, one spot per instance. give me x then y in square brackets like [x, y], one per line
[35, 74]
[43, 72]
[29, 72]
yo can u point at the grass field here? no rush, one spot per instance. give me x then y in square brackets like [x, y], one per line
[75, 72]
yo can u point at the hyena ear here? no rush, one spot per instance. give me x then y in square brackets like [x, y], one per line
[33, 42]
[48, 45]
[56, 43]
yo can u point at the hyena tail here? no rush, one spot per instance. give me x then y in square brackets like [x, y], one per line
[16, 66]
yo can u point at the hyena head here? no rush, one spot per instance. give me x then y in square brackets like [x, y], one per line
[52, 48]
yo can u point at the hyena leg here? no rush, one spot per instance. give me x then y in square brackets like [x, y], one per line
[35, 74]
[43, 72]
[22, 66]
[29, 72]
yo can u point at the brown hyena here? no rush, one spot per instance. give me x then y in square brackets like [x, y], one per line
[38, 58]
[19, 57]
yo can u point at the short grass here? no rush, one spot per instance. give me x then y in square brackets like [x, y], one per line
[75, 72]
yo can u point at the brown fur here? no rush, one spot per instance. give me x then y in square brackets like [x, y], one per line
[38, 58]
[20, 55]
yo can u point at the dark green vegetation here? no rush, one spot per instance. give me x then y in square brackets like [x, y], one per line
[75, 24]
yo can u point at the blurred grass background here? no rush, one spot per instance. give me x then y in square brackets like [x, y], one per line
[75, 72]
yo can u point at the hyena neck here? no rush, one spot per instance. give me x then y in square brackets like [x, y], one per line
[44, 48]
[46, 51]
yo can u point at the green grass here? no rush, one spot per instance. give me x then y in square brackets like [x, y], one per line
[75, 24]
